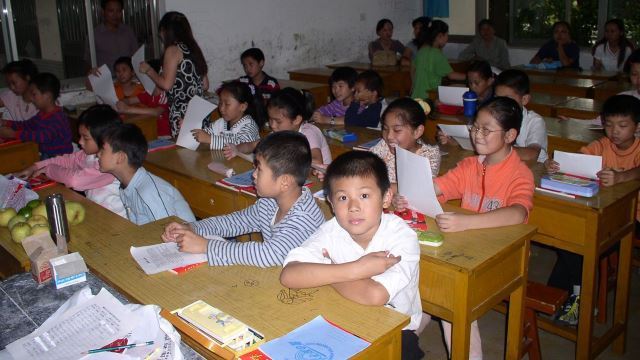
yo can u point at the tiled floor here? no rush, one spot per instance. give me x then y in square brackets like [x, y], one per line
[492, 324]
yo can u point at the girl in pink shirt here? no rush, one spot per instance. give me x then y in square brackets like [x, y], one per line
[79, 170]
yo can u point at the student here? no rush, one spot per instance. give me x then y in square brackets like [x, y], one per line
[237, 124]
[17, 99]
[342, 83]
[559, 48]
[368, 105]
[430, 64]
[620, 151]
[633, 64]
[253, 61]
[611, 52]
[184, 69]
[403, 126]
[285, 213]
[411, 47]
[126, 84]
[80, 170]
[50, 126]
[367, 256]
[154, 105]
[531, 143]
[480, 80]
[487, 46]
[496, 184]
[146, 197]
[385, 50]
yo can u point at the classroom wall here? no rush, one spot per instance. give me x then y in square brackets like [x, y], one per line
[292, 33]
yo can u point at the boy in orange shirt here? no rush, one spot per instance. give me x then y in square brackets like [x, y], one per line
[496, 184]
[620, 151]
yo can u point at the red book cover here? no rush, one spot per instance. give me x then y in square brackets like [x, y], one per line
[9, 142]
[40, 182]
[184, 269]
[254, 355]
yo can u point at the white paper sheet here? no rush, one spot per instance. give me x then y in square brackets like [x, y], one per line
[451, 95]
[103, 86]
[197, 109]
[145, 80]
[578, 164]
[91, 325]
[459, 133]
[415, 182]
[162, 257]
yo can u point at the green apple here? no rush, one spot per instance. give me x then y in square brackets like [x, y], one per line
[40, 210]
[75, 212]
[6, 215]
[39, 228]
[37, 220]
[25, 211]
[20, 231]
[34, 203]
[15, 220]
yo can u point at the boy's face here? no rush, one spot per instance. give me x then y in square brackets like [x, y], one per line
[230, 108]
[279, 121]
[124, 74]
[86, 142]
[107, 159]
[16, 83]
[40, 99]
[364, 95]
[634, 76]
[341, 91]
[620, 130]
[357, 203]
[477, 83]
[503, 90]
[263, 179]
[252, 67]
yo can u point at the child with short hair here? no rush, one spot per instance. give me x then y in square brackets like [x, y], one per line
[430, 64]
[285, 212]
[80, 170]
[126, 84]
[480, 79]
[146, 197]
[367, 256]
[620, 151]
[496, 184]
[50, 126]
[403, 126]
[531, 143]
[342, 82]
[369, 103]
[253, 61]
[237, 124]
[17, 99]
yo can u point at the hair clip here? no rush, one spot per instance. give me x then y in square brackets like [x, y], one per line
[424, 105]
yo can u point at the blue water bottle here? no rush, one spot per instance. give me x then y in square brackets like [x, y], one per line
[470, 101]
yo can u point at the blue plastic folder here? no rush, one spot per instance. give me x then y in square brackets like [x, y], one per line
[317, 339]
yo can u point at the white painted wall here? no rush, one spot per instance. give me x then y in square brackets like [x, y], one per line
[292, 33]
[462, 17]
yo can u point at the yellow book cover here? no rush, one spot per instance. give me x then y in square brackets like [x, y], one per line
[215, 323]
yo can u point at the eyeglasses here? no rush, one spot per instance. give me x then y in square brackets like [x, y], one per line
[484, 131]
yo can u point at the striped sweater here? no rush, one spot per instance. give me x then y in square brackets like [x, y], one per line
[298, 224]
[245, 130]
[51, 131]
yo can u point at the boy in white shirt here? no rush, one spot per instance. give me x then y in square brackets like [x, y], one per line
[531, 142]
[367, 256]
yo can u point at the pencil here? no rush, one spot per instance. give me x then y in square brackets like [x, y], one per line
[129, 346]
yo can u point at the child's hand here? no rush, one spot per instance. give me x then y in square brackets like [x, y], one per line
[551, 166]
[319, 171]
[376, 263]
[399, 202]
[609, 177]
[201, 136]
[451, 222]
[169, 233]
[122, 106]
[27, 173]
[94, 72]
[190, 242]
[144, 67]
[230, 151]
[443, 139]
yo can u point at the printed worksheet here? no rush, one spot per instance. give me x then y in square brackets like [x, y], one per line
[102, 86]
[157, 258]
[145, 80]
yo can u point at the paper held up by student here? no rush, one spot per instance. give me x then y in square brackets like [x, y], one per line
[451, 95]
[415, 182]
[578, 164]
[145, 80]
[102, 86]
[157, 258]
[197, 109]
[459, 133]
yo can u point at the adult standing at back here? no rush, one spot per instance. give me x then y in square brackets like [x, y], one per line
[184, 69]
[113, 39]
[487, 46]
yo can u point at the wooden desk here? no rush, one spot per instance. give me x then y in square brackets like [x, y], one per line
[148, 124]
[16, 157]
[570, 73]
[580, 108]
[563, 86]
[320, 91]
[545, 104]
[397, 81]
[607, 89]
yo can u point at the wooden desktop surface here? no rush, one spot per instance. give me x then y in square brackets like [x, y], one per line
[570, 73]
[545, 104]
[607, 89]
[563, 86]
[580, 108]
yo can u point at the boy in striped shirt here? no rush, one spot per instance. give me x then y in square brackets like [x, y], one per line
[285, 213]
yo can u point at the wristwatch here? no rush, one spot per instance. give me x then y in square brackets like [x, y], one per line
[333, 120]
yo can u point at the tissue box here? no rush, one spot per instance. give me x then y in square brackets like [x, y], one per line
[68, 270]
[40, 248]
